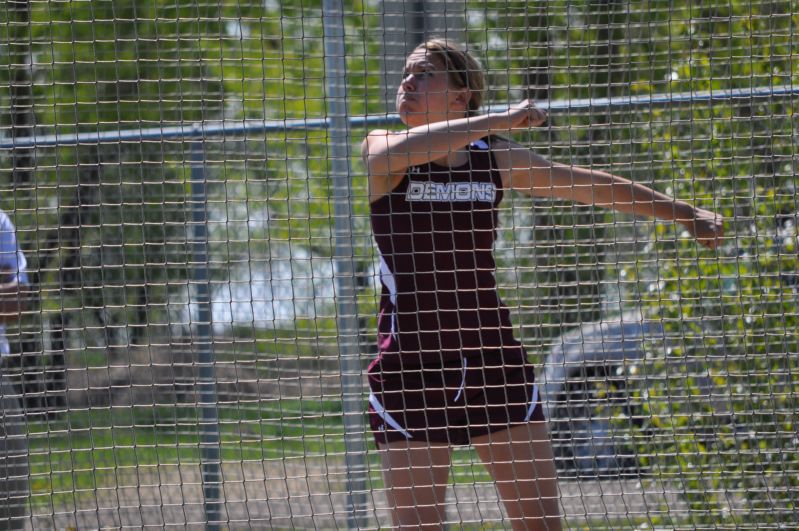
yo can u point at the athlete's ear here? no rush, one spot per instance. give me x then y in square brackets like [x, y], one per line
[462, 98]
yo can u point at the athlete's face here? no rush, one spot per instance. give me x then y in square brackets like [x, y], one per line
[426, 94]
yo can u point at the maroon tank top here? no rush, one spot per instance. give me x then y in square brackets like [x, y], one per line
[435, 233]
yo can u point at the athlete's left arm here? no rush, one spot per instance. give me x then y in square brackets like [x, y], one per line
[530, 173]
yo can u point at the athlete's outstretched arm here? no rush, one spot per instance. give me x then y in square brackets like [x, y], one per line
[530, 173]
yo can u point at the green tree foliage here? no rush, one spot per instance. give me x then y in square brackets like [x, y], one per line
[719, 394]
[719, 405]
[110, 246]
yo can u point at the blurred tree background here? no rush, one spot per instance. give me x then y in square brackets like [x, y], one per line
[718, 394]
[105, 226]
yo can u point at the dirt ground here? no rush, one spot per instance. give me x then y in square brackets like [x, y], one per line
[283, 495]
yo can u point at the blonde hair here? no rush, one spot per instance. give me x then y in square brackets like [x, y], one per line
[464, 70]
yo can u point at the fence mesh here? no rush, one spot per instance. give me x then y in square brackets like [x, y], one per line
[170, 169]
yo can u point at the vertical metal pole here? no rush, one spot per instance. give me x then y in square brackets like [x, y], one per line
[203, 340]
[343, 267]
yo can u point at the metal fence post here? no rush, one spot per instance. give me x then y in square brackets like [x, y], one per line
[210, 455]
[343, 267]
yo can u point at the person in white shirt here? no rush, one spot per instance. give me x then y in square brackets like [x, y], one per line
[14, 472]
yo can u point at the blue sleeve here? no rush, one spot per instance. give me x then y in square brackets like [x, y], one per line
[11, 258]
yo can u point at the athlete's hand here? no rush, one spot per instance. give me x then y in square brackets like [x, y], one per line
[525, 115]
[706, 226]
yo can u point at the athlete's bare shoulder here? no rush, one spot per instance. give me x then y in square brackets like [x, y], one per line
[375, 147]
[372, 136]
[378, 133]
[376, 153]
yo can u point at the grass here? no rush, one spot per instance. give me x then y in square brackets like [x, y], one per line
[84, 451]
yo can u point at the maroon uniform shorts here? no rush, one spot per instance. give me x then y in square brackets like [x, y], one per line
[452, 404]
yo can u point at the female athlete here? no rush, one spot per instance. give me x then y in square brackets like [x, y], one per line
[449, 371]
